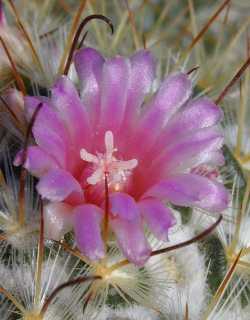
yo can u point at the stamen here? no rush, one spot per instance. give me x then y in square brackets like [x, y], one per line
[109, 144]
[86, 156]
[95, 177]
[107, 165]
[127, 165]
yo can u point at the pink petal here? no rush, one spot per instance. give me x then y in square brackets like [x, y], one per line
[142, 76]
[54, 139]
[200, 113]
[158, 217]
[191, 190]
[189, 151]
[200, 147]
[66, 101]
[38, 162]
[88, 63]
[31, 103]
[123, 206]
[173, 93]
[58, 185]
[57, 220]
[115, 84]
[131, 239]
[87, 219]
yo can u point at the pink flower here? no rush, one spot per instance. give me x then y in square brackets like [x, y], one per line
[147, 152]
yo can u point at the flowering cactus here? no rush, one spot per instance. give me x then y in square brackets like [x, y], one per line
[124, 158]
[110, 152]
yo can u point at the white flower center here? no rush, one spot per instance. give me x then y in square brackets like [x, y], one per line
[106, 164]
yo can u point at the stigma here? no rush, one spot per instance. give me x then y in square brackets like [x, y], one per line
[106, 165]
